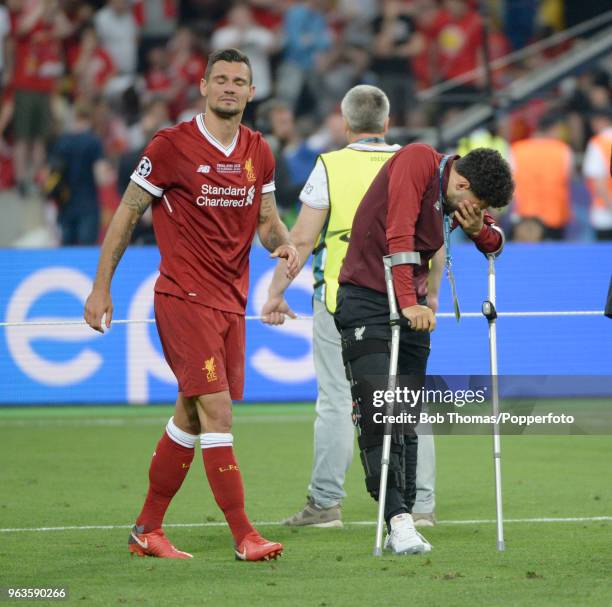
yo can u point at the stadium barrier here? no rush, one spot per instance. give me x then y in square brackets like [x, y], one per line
[549, 302]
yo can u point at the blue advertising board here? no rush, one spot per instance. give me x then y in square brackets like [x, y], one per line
[49, 364]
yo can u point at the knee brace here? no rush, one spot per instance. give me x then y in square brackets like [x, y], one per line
[367, 367]
[371, 455]
[365, 364]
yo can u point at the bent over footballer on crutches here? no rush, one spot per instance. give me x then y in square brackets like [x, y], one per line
[407, 214]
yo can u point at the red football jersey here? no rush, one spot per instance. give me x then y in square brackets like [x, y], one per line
[207, 210]
[38, 59]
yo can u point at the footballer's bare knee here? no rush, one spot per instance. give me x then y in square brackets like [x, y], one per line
[215, 412]
[186, 414]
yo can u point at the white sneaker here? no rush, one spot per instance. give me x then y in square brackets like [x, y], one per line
[404, 538]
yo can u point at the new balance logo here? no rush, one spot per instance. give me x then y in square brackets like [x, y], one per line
[203, 168]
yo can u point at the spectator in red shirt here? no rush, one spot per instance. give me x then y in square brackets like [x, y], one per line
[425, 17]
[80, 16]
[187, 65]
[158, 81]
[458, 33]
[93, 67]
[39, 29]
[186, 56]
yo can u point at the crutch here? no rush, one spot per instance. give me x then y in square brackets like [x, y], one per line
[490, 313]
[394, 318]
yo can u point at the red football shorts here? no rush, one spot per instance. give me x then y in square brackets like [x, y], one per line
[203, 346]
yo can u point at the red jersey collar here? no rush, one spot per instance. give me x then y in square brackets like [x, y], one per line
[227, 151]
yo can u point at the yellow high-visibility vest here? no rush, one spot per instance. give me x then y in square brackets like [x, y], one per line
[481, 138]
[350, 173]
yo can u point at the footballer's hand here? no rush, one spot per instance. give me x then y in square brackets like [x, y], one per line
[421, 318]
[98, 304]
[275, 309]
[470, 217]
[290, 254]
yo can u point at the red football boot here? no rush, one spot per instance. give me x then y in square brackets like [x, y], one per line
[154, 543]
[255, 548]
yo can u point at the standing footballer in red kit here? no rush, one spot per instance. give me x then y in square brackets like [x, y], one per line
[211, 184]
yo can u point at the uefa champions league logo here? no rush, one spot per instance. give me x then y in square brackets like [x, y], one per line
[145, 166]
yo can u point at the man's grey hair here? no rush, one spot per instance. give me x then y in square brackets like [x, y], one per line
[365, 109]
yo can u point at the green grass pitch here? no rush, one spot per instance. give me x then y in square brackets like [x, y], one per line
[75, 467]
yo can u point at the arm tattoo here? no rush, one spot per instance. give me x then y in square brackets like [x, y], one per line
[272, 231]
[268, 207]
[275, 237]
[133, 204]
[136, 198]
[124, 240]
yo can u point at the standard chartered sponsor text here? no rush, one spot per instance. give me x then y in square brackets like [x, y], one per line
[230, 196]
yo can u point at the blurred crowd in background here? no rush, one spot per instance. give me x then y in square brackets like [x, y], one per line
[85, 84]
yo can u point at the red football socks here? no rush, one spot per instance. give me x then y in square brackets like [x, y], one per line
[169, 466]
[226, 481]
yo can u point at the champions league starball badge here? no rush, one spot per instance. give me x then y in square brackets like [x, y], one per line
[145, 166]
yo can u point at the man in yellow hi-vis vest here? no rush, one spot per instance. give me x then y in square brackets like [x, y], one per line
[330, 199]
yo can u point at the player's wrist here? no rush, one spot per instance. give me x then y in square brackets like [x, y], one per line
[477, 232]
[101, 287]
[275, 292]
[289, 245]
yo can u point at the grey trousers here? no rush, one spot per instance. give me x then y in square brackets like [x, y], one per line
[426, 472]
[333, 427]
[334, 434]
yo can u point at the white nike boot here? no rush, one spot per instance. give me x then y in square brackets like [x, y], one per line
[404, 538]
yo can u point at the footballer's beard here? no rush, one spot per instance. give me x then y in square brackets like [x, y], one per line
[447, 207]
[451, 203]
[225, 113]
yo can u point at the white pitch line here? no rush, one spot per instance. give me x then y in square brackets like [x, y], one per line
[576, 519]
[117, 422]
